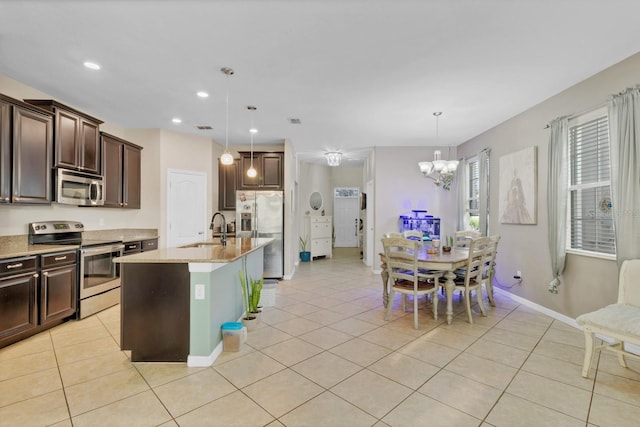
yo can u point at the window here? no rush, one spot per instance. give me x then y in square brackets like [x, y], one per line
[590, 218]
[472, 220]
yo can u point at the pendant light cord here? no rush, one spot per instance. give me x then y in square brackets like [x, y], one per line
[226, 134]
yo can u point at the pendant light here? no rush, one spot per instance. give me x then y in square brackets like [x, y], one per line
[440, 171]
[251, 172]
[227, 158]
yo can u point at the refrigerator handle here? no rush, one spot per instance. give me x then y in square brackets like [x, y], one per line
[254, 232]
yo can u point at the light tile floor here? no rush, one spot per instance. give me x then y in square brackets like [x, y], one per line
[325, 356]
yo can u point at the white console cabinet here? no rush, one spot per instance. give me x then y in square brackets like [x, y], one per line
[320, 231]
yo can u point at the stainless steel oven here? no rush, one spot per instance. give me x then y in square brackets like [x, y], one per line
[99, 278]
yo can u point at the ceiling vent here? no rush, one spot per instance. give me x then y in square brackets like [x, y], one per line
[204, 127]
[294, 121]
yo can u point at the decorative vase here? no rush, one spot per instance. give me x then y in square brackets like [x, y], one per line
[305, 256]
[250, 322]
[446, 249]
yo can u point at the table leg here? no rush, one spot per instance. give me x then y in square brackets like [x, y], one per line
[385, 286]
[450, 287]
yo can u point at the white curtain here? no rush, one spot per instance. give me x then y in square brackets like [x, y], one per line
[483, 202]
[462, 182]
[557, 184]
[624, 126]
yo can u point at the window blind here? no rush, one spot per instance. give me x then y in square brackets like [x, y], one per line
[474, 186]
[589, 187]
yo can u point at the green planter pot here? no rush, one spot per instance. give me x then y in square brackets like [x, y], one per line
[305, 256]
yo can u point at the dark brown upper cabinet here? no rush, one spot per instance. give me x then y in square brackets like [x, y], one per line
[269, 168]
[26, 143]
[76, 137]
[121, 167]
[227, 185]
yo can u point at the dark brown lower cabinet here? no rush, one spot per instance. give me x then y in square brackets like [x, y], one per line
[155, 312]
[58, 288]
[18, 284]
[36, 293]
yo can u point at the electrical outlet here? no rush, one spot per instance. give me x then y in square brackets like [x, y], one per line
[199, 291]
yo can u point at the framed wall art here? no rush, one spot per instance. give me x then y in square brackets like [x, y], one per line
[518, 187]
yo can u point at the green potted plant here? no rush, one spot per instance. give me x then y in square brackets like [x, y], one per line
[305, 256]
[251, 289]
[448, 244]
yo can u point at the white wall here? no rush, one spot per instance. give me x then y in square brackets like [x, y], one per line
[588, 282]
[400, 188]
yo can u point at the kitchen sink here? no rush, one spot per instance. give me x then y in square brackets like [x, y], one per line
[200, 245]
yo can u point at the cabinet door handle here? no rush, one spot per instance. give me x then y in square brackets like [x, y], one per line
[60, 258]
[17, 265]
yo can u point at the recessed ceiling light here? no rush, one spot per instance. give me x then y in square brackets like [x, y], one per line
[253, 130]
[176, 120]
[202, 94]
[91, 65]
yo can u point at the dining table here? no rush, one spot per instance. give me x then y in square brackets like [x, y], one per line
[440, 261]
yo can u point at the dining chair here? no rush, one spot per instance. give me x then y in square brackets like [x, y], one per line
[491, 268]
[402, 265]
[392, 234]
[462, 237]
[476, 273]
[413, 234]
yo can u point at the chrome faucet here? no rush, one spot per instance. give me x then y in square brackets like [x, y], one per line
[223, 229]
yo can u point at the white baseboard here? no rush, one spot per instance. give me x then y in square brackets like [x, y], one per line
[204, 361]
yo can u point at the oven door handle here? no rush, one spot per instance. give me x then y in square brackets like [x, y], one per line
[102, 250]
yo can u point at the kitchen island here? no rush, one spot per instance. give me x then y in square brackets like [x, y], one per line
[174, 300]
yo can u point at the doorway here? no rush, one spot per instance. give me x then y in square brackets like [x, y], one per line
[186, 207]
[346, 217]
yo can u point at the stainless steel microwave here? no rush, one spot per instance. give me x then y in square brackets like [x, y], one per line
[79, 188]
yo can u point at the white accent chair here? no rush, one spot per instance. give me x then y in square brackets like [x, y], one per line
[620, 321]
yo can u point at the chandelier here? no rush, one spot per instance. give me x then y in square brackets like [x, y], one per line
[440, 171]
[333, 158]
[227, 158]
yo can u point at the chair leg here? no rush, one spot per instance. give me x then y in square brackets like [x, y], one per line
[415, 311]
[467, 303]
[404, 303]
[588, 352]
[480, 303]
[389, 304]
[489, 286]
[434, 302]
[621, 357]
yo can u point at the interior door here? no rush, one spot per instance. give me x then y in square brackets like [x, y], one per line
[346, 218]
[186, 207]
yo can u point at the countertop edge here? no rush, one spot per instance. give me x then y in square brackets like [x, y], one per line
[185, 255]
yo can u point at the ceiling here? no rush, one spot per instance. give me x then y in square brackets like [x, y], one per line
[357, 73]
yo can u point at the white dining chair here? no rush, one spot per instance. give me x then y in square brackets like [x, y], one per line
[476, 273]
[402, 266]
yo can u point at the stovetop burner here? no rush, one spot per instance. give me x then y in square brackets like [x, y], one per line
[63, 233]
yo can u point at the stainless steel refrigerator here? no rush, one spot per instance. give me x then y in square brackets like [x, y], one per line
[261, 214]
